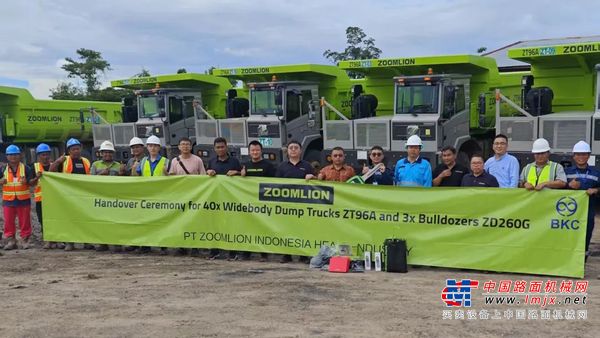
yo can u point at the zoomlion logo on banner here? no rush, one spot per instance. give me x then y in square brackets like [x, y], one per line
[458, 294]
[297, 193]
[565, 207]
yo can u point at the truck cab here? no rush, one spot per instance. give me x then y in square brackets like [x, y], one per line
[446, 100]
[283, 111]
[434, 107]
[284, 106]
[560, 100]
[159, 108]
[167, 106]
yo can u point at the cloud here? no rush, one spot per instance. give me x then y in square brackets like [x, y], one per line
[196, 35]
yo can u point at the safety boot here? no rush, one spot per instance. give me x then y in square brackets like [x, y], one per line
[11, 244]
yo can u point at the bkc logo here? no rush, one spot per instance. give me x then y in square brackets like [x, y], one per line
[457, 294]
[566, 206]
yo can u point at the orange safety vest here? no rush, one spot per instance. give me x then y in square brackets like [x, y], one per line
[13, 188]
[37, 192]
[68, 165]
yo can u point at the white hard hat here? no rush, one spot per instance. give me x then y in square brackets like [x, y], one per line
[540, 146]
[107, 145]
[153, 140]
[136, 141]
[582, 147]
[414, 140]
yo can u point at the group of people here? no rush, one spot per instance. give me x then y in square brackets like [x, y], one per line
[500, 170]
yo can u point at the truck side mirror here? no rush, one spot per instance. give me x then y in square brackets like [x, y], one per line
[481, 104]
[161, 107]
[312, 109]
[278, 98]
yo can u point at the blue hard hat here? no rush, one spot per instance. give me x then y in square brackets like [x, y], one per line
[42, 148]
[13, 150]
[73, 142]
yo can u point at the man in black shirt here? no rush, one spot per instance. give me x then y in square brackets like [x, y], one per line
[449, 173]
[222, 164]
[479, 177]
[257, 167]
[295, 167]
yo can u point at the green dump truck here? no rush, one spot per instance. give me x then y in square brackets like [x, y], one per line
[284, 105]
[446, 100]
[561, 101]
[27, 121]
[170, 107]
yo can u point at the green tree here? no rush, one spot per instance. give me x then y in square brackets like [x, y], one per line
[181, 71]
[88, 69]
[110, 94]
[67, 91]
[359, 47]
[143, 73]
[480, 50]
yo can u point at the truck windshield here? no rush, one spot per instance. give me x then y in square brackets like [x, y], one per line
[263, 102]
[416, 99]
[149, 106]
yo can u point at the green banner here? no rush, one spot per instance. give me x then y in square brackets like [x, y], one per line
[508, 230]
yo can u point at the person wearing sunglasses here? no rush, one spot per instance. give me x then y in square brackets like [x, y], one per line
[338, 170]
[383, 176]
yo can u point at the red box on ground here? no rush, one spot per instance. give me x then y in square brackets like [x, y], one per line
[339, 264]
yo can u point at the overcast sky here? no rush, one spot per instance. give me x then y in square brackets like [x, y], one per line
[163, 36]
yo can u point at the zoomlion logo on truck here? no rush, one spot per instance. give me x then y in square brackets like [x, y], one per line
[135, 81]
[382, 63]
[556, 50]
[237, 71]
[44, 118]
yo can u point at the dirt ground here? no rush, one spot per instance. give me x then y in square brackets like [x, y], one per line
[87, 293]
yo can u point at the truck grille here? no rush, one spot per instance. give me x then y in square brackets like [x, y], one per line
[371, 134]
[518, 130]
[258, 129]
[101, 133]
[233, 131]
[426, 131]
[123, 133]
[563, 134]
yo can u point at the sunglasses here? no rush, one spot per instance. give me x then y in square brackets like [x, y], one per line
[337, 155]
[377, 154]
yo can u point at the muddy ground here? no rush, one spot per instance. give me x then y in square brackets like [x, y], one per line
[86, 293]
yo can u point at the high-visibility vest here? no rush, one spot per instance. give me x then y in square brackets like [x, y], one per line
[37, 192]
[547, 174]
[68, 165]
[13, 188]
[159, 170]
